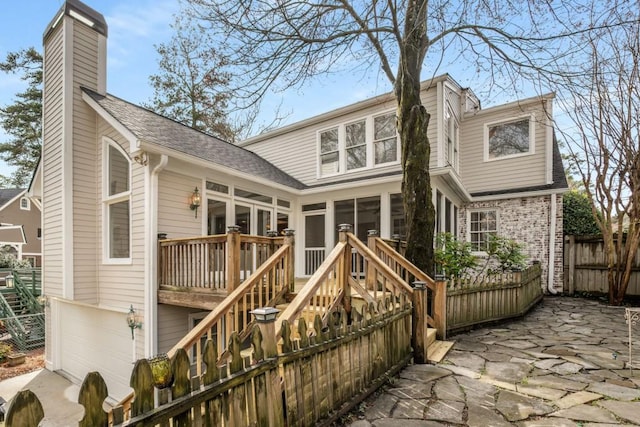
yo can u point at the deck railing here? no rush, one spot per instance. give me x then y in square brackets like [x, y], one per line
[436, 290]
[217, 263]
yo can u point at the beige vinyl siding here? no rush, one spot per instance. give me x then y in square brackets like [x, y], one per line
[51, 164]
[174, 216]
[502, 174]
[85, 184]
[122, 284]
[296, 152]
[430, 102]
[173, 325]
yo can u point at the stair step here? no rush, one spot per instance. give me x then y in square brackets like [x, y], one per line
[438, 350]
[431, 336]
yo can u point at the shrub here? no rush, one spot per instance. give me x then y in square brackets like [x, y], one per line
[507, 253]
[5, 350]
[453, 257]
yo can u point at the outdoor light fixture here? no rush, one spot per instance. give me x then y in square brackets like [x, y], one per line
[265, 314]
[9, 281]
[194, 201]
[132, 320]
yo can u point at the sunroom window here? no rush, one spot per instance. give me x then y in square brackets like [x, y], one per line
[117, 204]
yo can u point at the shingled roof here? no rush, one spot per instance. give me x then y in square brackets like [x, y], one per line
[9, 193]
[153, 128]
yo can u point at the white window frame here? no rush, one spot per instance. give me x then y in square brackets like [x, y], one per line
[468, 231]
[342, 148]
[28, 205]
[532, 133]
[365, 144]
[451, 129]
[373, 141]
[108, 200]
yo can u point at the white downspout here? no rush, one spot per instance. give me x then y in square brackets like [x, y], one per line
[151, 262]
[552, 245]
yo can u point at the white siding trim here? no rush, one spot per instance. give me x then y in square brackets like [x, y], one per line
[151, 256]
[67, 161]
[519, 195]
[548, 110]
[440, 102]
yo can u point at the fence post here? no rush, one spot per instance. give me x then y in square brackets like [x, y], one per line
[571, 280]
[92, 395]
[233, 257]
[419, 319]
[266, 320]
[343, 230]
[370, 278]
[439, 307]
[289, 239]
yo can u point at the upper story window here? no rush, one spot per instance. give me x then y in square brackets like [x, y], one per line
[357, 145]
[116, 199]
[509, 139]
[25, 204]
[450, 137]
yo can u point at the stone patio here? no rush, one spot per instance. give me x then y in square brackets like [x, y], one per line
[563, 364]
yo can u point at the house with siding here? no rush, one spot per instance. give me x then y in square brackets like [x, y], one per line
[20, 229]
[114, 176]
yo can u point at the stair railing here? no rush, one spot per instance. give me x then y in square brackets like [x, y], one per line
[267, 286]
[437, 290]
[350, 269]
[27, 292]
[12, 323]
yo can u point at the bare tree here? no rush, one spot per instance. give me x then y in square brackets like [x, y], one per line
[283, 43]
[604, 106]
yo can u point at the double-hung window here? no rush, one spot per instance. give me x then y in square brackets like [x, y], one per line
[509, 139]
[385, 141]
[482, 225]
[365, 143]
[329, 154]
[117, 194]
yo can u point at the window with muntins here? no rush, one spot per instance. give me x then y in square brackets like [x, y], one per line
[25, 204]
[357, 145]
[117, 204]
[482, 224]
[509, 139]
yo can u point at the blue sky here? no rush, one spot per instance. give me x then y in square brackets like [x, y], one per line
[136, 26]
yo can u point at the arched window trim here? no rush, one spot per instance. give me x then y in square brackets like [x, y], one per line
[112, 199]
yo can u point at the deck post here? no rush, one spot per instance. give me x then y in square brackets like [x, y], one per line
[439, 307]
[343, 230]
[233, 257]
[419, 318]
[266, 320]
[289, 239]
[370, 278]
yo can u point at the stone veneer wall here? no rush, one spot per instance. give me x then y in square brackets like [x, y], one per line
[526, 220]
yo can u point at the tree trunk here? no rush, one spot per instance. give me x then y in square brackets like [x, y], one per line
[413, 122]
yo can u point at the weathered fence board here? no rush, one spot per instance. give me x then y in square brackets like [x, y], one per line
[509, 296]
[585, 266]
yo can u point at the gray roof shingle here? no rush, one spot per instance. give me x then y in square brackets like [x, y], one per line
[8, 194]
[153, 128]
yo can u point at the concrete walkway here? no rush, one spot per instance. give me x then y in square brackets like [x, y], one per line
[561, 365]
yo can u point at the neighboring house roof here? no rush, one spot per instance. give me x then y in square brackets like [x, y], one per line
[12, 234]
[9, 194]
[558, 176]
[153, 128]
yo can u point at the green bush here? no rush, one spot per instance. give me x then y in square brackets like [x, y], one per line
[5, 350]
[507, 253]
[453, 257]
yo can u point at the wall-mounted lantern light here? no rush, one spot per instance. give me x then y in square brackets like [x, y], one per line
[194, 201]
[9, 281]
[133, 321]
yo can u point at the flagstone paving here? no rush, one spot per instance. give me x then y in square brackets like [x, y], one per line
[563, 364]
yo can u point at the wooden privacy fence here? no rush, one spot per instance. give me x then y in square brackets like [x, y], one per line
[308, 381]
[217, 263]
[585, 266]
[493, 297]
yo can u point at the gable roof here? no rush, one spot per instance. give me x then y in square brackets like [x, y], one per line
[8, 194]
[152, 128]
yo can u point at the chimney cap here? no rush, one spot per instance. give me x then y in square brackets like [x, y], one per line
[80, 12]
